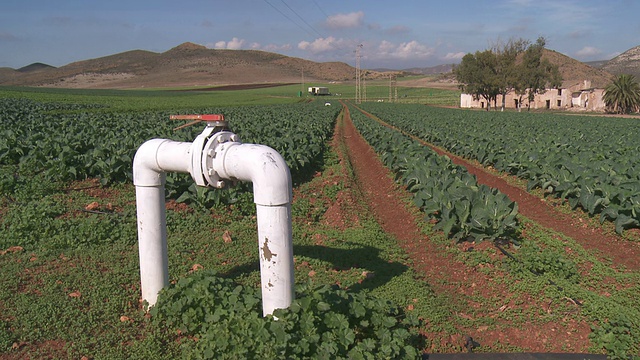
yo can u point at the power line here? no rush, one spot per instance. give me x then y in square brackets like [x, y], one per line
[330, 43]
[303, 20]
[325, 14]
[333, 45]
[288, 18]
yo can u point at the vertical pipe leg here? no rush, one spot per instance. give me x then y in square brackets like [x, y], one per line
[152, 241]
[276, 256]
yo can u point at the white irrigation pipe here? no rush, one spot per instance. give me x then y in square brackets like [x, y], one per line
[218, 160]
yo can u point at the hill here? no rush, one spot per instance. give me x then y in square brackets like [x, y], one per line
[574, 71]
[626, 63]
[598, 64]
[185, 65]
[433, 70]
[191, 64]
[35, 67]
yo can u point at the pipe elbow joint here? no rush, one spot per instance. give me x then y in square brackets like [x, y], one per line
[261, 165]
[146, 171]
[156, 157]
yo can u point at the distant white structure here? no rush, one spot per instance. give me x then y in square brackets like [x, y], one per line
[318, 90]
[578, 96]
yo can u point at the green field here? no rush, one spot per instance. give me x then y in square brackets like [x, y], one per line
[69, 258]
[156, 99]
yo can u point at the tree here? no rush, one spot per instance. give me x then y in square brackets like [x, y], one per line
[515, 66]
[477, 76]
[535, 74]
[506, 66]
[623, 94]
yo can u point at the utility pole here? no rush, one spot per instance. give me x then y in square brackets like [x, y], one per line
[390, 77]
[393, 89]
[358, 89]
[364, 85]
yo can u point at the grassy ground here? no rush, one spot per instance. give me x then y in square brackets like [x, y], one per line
[76, 293]
[160, 99]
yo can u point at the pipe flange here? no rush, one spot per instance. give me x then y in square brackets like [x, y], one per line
[209, 152]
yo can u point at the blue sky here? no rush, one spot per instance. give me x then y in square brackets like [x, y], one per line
[396, 34]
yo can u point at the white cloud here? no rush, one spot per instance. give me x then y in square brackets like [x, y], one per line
[276, 48]
[386, 47]
[411, 50]
[320, 45]
[454, 56]
[341, 21]
[588, 51]
[233, 44]
[415, 49]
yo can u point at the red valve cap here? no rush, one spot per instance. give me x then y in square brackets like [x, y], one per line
[205, 117]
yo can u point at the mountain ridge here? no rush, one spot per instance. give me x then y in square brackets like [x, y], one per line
[187, 64]
[192, 65]
[626, 63]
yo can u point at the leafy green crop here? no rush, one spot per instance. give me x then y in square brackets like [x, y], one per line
[441, 189]
[223, 320]
[615, 336]
[88, 144]
[592, 162]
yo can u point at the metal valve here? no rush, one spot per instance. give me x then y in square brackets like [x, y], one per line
[212, 120]
[204, 147]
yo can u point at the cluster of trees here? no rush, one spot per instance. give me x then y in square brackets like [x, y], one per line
[516, 65]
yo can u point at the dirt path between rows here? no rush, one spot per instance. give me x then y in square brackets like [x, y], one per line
[469, 288]
[619, 251]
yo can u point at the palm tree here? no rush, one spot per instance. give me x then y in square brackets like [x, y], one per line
[623, 94]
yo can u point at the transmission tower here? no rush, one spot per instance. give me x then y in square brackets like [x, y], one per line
[364, 86]
[358, 75]
[393, 89]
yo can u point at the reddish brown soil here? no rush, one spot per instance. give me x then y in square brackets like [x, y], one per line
[470, 287]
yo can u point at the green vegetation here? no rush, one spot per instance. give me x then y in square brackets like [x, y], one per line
[221, 319]
[192, 98]
[623, 95]
[148, 100]
[442, 190]
[70, 286]
[515, 66]
[591, 162]
[75, 142]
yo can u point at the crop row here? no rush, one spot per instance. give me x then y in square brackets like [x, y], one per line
[441, 189]
[37, 138]
[591, 162]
